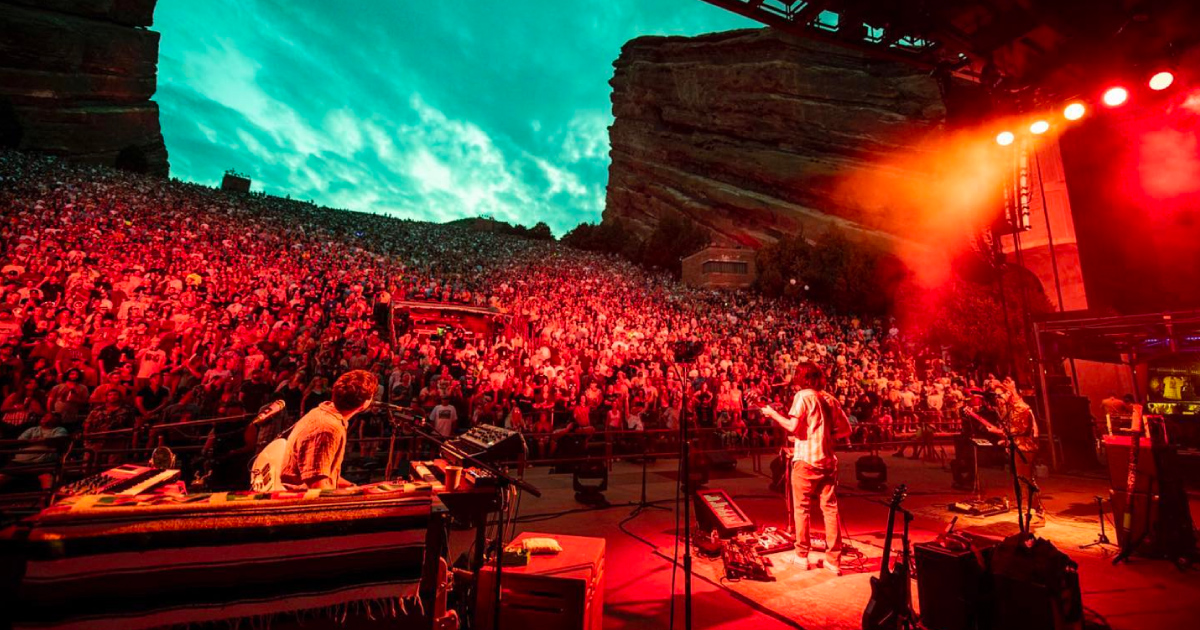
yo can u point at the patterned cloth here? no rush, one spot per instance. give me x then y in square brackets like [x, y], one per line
[1023, 428]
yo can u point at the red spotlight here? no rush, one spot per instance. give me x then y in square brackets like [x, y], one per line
[1005, 138]
[1162, 80]
[1116, 96]
[1039, 127]
[1074, 111]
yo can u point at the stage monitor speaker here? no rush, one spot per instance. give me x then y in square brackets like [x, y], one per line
[871, 472]
[717, 511]
[1034, 585]
[949, 587]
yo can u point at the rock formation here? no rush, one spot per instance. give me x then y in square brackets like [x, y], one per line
[754, 133]
[76, 76]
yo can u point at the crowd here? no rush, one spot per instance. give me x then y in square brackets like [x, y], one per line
[129, 303]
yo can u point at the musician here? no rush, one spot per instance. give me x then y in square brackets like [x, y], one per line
[814, 422]
[1019, 422]
[317, 445]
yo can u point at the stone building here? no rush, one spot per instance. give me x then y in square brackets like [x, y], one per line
[720, 268]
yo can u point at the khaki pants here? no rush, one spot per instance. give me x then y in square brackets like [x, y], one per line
[809, 485]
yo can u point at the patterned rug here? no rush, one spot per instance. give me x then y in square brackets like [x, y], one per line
[803, 599]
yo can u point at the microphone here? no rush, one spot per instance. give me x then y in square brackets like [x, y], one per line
[384, 405]
[270, 410]
[407, 412]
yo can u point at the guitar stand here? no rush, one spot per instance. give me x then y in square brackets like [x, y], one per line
[1102, 539]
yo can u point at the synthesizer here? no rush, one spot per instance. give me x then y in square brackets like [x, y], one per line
[487, 443]
[715, 511]
[127, 479]
[434, 472]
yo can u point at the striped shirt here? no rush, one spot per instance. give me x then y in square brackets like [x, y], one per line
[814, 426]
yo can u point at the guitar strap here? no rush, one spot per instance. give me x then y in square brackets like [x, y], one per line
[827, 418]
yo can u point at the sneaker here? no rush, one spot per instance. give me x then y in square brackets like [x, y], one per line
[800, 562]
[833, 568]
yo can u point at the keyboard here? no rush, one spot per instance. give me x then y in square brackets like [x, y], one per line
[128, 479]
[487, 443]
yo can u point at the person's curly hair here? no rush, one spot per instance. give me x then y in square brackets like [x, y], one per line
[353, 389]
[809, 376]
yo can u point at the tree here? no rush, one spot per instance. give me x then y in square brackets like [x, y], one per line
[982, 318]
[541, 232]
[849, 276]
[609, 236]
[674, 238]
[132, 159]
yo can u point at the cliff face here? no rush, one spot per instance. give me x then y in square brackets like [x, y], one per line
[754, 134]
[77, 76]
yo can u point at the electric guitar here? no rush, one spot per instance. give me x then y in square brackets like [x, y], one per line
[889, 606]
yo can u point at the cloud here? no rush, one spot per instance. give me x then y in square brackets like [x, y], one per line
[430, 111]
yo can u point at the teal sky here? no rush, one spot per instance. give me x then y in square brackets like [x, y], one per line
[425, 110]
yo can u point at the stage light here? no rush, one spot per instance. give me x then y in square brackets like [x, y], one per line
[1038, 128]
[1074, 111]
[1005, 138]
[1162, 80]
[1116, 96]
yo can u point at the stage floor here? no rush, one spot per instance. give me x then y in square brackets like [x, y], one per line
[1144, 595]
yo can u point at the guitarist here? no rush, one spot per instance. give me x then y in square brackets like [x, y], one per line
[1021, 427]
[814, 422]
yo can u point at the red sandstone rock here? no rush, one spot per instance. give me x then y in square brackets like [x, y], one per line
[752, 132]
[80, 77]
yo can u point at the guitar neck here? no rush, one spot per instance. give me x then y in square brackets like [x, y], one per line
[887, 543]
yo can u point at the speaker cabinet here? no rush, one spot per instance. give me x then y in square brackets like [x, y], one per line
[950, 586]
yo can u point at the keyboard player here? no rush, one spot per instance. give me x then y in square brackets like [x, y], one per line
[316, 447]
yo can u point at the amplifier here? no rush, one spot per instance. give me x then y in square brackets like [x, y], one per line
[949, 587]
[715, 511]
[564, 591]
[487, 443]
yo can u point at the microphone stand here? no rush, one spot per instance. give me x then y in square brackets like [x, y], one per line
[686, 482]
[503, 483]
[1013, 454]
[389, 468]
[1031, 488]
[643, 504]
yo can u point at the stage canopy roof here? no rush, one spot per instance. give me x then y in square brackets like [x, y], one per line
[1074, 335]
[1008, 44]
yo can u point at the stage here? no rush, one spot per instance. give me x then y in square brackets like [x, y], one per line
[1143, 595]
